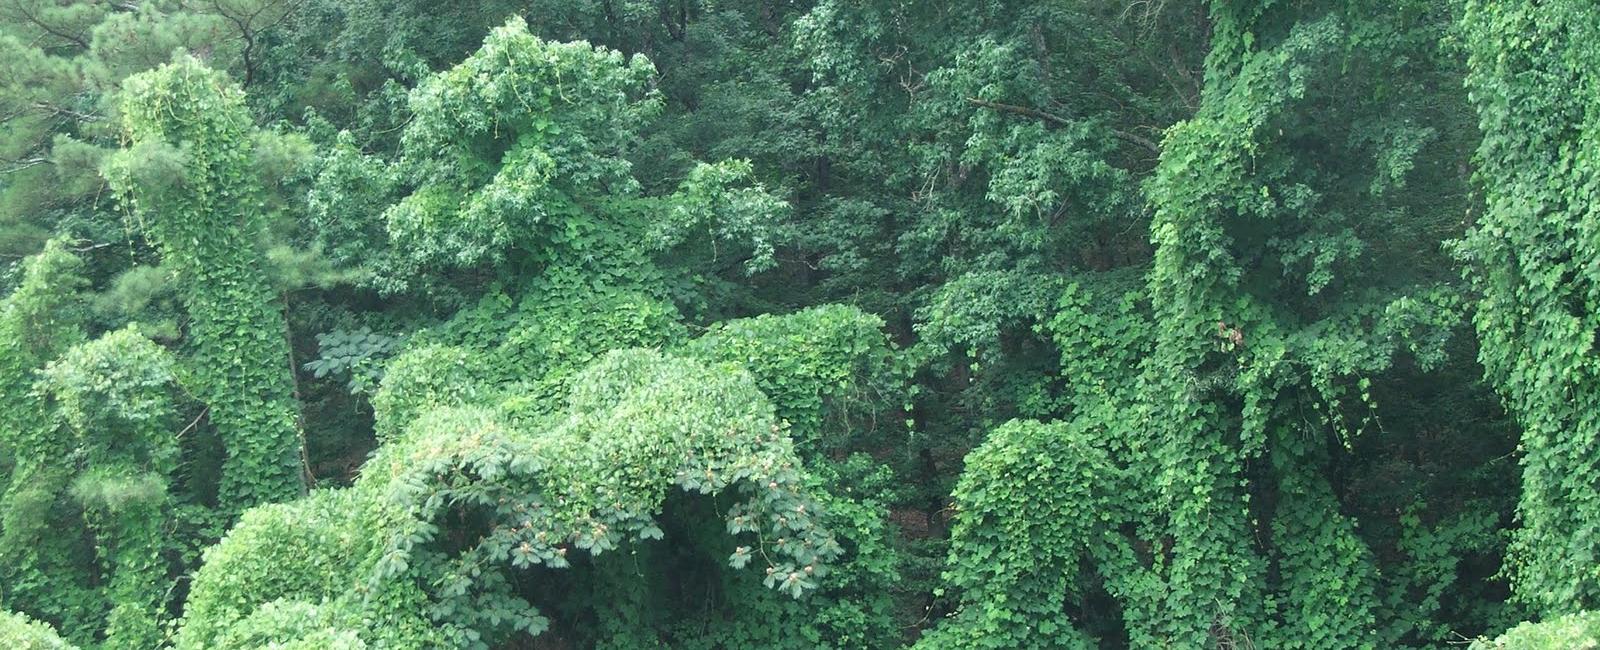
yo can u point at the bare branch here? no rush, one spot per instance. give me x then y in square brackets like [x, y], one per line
[194, 423]
[24, 164]
[1057, 120]
[62, 110]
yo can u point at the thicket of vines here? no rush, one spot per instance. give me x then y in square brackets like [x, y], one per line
[849, 324]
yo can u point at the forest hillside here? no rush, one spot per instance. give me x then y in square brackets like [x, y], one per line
[749, 324]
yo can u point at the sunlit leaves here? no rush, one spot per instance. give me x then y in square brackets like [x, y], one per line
[1530, 256]
[23, 633]
[1576, 630]
[512, 143]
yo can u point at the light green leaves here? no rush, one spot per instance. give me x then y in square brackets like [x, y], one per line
[23, 633]
[1577, 631]
[512, 143]
[187, 177]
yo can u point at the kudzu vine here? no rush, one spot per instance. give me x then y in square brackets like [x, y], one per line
[634, 427]
[1215, 398]
[1530, 256]
[23, 633]
[39, 321]
[116, 394]
[848, 324]
[187, 178]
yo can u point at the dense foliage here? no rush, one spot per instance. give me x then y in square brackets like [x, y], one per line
[1530, 257]
[186, 178]
[827, 323]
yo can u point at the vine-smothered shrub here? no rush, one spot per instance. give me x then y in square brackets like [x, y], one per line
[116, 395]
[40, 320]
[635, 426]
[19, 632]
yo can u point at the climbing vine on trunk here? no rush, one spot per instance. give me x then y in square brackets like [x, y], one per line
[1531, 257]
[187, 178]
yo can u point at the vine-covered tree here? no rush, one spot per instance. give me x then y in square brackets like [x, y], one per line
[1530, 256]
[41, 319]
[115, 394]
[187, 176]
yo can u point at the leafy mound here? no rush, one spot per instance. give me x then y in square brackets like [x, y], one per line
[444, 514]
